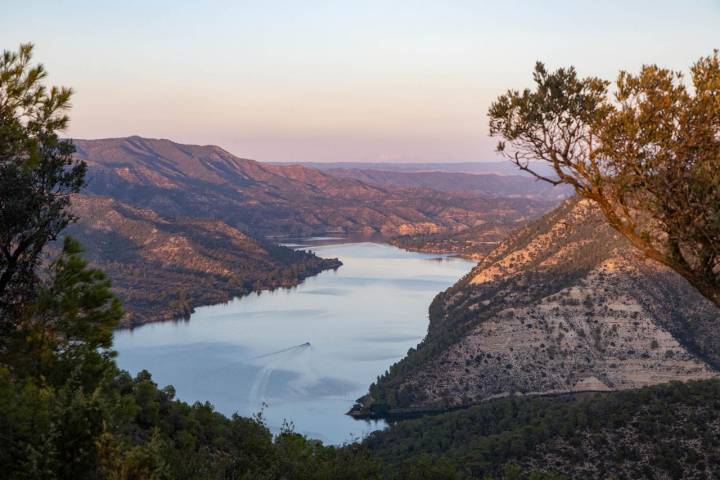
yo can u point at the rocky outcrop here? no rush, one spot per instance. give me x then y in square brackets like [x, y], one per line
[564, 305]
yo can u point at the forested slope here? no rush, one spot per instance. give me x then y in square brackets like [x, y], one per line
[663, 432]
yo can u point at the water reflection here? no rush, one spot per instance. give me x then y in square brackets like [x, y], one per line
[307, 352]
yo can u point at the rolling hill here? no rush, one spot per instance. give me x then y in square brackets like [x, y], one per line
[666, 432]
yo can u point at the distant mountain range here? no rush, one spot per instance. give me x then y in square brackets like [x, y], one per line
[178, 226]
[476, 168]
[563, 305]
[487, 184]
[208, 182]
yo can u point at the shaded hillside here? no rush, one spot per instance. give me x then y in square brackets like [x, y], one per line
[163, 267]
[564, 305]
[177, 180]
[663, 432]
[489, 184]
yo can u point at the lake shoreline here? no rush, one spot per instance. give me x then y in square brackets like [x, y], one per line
[173, 315]
[302, 354]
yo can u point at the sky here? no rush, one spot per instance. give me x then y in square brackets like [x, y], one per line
[307, 80]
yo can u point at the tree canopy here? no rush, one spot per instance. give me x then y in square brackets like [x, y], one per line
[648, 153]
[37, 174]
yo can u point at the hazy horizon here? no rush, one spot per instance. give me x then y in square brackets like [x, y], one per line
[239, 155]
[319, 81]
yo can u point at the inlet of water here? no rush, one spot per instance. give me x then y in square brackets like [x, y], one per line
[305, 353]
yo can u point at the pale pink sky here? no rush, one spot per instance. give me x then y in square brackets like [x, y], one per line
[335, 80]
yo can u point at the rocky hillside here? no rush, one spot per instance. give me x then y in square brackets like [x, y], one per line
[208, 182]
[564, 305]
[163, 267]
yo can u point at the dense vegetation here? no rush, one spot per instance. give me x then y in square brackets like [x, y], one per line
[667, 431]
[37, 175]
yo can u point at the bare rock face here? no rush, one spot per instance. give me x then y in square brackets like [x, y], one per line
[565, 305]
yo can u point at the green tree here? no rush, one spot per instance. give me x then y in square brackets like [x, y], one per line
[67, 331]
[54, 363]
[648, 156]
[37, 175]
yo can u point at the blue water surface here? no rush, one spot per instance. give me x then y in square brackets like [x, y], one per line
[302, 354]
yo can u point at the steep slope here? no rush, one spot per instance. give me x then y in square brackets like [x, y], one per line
[163, 267]
[208, 182]
[564, 305]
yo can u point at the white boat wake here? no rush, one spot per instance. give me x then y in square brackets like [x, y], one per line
[258, 390]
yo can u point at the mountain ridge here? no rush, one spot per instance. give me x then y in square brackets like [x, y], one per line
[277, 200]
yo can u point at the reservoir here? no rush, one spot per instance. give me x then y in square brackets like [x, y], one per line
[300, 355]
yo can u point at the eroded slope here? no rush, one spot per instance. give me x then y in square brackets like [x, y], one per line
[564, 305]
